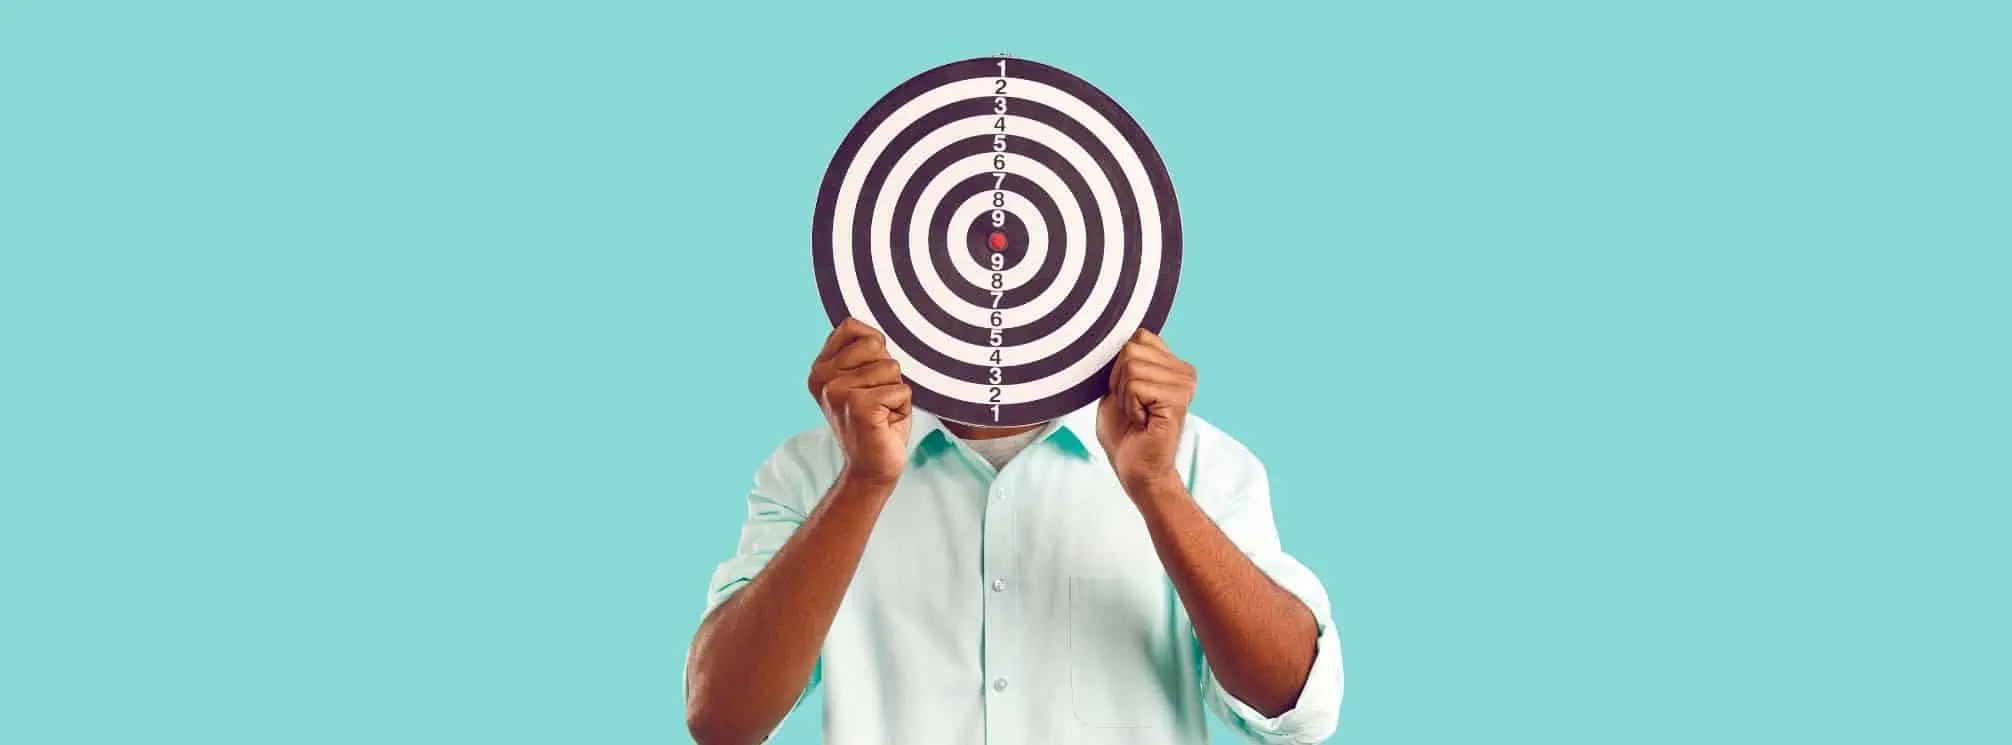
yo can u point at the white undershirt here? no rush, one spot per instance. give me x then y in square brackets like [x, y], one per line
[999, 450]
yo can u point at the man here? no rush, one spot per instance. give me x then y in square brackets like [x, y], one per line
[1104, 584]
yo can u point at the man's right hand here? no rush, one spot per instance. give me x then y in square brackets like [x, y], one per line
[859, 387]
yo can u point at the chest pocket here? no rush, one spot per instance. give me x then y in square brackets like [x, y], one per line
[1122, 657]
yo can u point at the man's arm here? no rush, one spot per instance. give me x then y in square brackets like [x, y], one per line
[755, 652]
[1260, 640]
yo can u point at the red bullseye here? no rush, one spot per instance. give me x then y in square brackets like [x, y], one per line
[997, 241]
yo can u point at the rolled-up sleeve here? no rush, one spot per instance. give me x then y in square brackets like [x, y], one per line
[786, 487]
[1232, 487]
[775, 510]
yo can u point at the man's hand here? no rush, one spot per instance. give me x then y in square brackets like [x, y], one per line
[1139, 420]
[860, 389]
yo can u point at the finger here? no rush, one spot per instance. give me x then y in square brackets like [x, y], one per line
[1155, 399]
[1140, 350]
[859, 352]
[1160, 360]
[1160, 393]
[1122, 387]
[1141, 363]
[1151, 339]
[831, 387]
[878, 372]
[847, 331]
[831, 393]
[893, 397]
[1157, 371]
[840, 335]
[1111, 402]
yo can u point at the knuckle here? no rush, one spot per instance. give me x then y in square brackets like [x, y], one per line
[833, 392]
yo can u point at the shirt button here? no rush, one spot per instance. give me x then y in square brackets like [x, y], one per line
[998, 585]
[998, 684]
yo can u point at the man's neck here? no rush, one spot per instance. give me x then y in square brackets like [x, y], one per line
[968, 432]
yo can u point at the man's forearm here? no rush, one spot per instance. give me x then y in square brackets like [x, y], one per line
[753, 655]
[1259, 639]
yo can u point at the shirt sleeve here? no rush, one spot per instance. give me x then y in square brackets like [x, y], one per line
[787, 486]
[1231, 485]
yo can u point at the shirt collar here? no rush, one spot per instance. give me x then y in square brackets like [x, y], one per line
[926, 437]
[1074, 433]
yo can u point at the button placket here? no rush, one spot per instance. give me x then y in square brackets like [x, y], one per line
[1001, 634]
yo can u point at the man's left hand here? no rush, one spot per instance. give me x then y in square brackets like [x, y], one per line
[1139, 420]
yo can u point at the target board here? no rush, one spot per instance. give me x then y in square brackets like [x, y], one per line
[1007, 227]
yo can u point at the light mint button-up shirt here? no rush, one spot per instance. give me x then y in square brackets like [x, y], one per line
[1027, 606]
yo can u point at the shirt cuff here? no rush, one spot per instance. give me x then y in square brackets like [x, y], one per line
[1312, 718]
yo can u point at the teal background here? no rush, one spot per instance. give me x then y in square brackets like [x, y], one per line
[393, 371]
